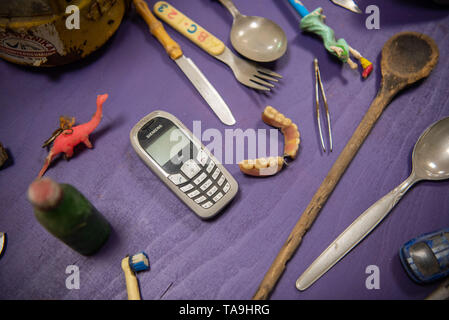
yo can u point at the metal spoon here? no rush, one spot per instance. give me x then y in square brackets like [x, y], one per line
[430, 162]
[406, 58]
[256, 38]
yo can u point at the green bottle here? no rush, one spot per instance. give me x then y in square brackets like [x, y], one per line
[68, 215]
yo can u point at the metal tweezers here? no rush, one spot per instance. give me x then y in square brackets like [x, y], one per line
[318, 80]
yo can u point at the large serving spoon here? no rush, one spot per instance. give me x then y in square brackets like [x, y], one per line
[406, 58]
[430, 161]
[256, 38]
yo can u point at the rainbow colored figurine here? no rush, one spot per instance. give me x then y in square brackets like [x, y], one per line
[314, 22]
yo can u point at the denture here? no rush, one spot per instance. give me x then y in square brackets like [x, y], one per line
[290, 131]
[262, 166]
[291, 140]
[272, 165]
[274, 118]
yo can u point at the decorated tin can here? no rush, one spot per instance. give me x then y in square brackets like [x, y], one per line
[55, 32]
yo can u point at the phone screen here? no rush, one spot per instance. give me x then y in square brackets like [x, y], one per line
[167, 145]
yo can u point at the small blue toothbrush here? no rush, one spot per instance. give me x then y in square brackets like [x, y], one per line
[131, 265]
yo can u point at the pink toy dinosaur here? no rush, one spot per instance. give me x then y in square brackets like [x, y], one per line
[68, 139]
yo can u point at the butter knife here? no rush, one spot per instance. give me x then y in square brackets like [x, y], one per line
[193, 73]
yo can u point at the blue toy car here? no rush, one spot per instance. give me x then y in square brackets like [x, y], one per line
[426, 258]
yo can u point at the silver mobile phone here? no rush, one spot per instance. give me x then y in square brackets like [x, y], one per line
[180, 160]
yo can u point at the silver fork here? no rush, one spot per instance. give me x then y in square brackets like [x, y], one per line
[247, 73]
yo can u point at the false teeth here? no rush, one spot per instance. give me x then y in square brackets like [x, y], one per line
[272, 165]
[290, 131]
[291, 140]
[262, 166]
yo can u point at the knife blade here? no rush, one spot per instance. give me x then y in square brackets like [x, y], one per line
[188, 67]
[348, 4]
[206, 89]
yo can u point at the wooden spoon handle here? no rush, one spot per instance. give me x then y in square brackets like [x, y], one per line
[386, 93]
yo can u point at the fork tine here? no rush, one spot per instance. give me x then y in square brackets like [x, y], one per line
[268, 72]
[262, 82]
[257, 86]
[263, 76]
[248, 81]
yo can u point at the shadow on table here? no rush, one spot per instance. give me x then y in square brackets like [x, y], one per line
[111, 245]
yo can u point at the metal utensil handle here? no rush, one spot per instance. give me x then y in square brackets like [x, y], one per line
[188, 28]
[231, 7]
[355, 233]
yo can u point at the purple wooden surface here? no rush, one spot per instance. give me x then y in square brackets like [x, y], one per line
[225, 258]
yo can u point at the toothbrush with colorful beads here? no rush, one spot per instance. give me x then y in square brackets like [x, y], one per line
[132, 265]
[314, 22]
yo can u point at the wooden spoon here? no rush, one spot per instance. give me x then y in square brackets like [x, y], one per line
[406, 58]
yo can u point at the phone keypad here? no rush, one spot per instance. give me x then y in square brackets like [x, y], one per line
[190, 168]
[200, 178]
[186, 188]
[212, 191]
[215, 174]
[206, 185]
[221, 180]
[209, 184]
[177, 178]
[194, 193]
[207, 205]
[218, 196]
[210, 167]
[200, 199]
